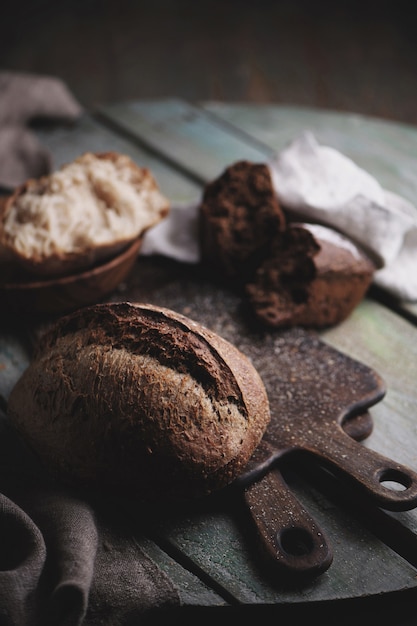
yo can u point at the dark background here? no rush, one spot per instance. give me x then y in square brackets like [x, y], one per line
[358, 56]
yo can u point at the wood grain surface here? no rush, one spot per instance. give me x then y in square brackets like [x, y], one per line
[208, 549]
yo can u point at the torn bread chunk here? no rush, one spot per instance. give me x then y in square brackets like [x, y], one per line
[79, 215]
[314, 277]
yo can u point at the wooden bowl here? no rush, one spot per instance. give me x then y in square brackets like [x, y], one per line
[61, 295]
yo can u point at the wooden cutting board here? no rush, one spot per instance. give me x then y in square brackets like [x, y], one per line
[207, 551]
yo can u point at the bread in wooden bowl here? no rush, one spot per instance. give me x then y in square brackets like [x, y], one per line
[78, 216]
[137, 400]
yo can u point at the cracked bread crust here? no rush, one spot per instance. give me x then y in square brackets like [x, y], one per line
[139, 400]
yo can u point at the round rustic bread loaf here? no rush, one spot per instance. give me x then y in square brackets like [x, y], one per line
[139, 400]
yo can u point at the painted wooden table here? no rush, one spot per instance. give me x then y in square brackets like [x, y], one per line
[208, 550]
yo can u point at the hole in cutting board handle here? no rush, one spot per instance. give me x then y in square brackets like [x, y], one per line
[295, 541]
[291, 541]
[395, 480]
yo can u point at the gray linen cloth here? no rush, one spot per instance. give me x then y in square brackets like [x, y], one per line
[66, 561]
[24, 98]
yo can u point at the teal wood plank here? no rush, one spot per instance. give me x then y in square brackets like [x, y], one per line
[387, 150]
[205, 144]
[194, 141]
[66, 143]
[378, 337]
[386, 342]
[192, 590]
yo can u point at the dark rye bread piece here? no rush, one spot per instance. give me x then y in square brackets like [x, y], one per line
[290, 274]
[239, 217]
[140, 401]
[314, 277]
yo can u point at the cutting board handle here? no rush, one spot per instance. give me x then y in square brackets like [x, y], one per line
[290, 539]
[388, 484]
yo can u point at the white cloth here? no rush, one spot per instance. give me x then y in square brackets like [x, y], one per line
[324, 186]
[176, 236]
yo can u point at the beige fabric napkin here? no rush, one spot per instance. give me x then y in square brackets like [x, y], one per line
[66, 561]
[24, 98]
